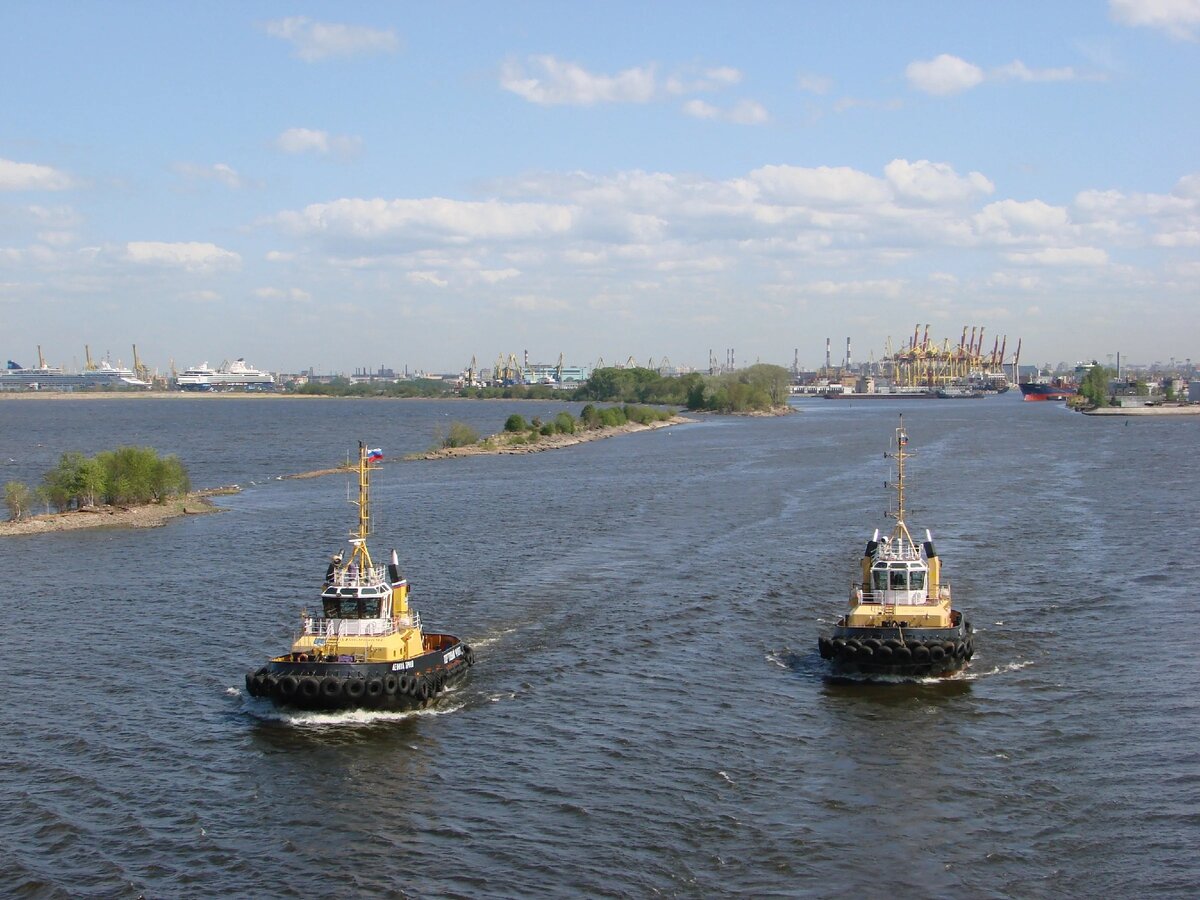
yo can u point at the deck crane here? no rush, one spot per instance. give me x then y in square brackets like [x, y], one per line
[88, 365]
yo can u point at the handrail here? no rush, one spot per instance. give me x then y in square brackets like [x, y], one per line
[858, 595]
[341, 628]
[352, 576]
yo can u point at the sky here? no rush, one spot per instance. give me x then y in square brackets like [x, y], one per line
[348, 186]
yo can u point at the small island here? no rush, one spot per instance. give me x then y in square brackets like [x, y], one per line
[128, 487]
[564, 430]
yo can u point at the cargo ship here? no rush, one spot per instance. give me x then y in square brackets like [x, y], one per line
[1045, 390]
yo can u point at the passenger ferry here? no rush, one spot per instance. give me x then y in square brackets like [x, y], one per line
[366, 647]
[900, 621]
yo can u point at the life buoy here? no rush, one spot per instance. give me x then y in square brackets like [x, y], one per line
[310, 688]
[331, 687]
[355, 688]
[288, 685]
[391, 684]
[375, 688]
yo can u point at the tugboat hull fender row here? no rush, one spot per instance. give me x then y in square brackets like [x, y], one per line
[313, 685]
[937, 652]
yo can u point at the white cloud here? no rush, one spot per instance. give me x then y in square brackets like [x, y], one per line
[1178, 18]
[946, 74]
[494, 276]
[943, 75]
[701, 109]
[427, 278]
[714, 79]
[219, 172]
[530, 303]
[19, 176]
[814, 84]
[555, 82]
[823, 186]
[1061, 256]
[744, 112]
[434, 218]
[1018, 71]
[313, 41]
[280, 256]
[295, 295]
[934, 183]
[189, 255]
[307, 140]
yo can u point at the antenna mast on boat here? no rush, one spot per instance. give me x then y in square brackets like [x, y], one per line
[364, 509]
[900, 455]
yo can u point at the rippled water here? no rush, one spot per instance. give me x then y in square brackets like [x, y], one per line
[648, 713]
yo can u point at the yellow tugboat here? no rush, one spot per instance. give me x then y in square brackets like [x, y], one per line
[901, 621]
[366, 649]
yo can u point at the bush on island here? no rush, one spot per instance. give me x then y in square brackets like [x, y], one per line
[516, 422]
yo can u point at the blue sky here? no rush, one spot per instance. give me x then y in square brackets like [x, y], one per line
[350, 185]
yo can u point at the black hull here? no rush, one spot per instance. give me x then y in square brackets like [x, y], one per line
[333, 686]
[898, 652]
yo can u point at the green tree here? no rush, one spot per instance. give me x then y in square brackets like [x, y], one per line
[516, 422]
[19, 500]
[564, 423]
[1094, 385]
[460, 434]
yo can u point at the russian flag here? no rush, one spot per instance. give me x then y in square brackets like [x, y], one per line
[375, 455]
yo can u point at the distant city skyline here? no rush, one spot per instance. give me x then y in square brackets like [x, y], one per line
[340, 187]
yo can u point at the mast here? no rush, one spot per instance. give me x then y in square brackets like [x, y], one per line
[901, 530]
[361, 554]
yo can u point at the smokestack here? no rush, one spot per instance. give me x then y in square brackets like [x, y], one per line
[847, 354]
[827, 359]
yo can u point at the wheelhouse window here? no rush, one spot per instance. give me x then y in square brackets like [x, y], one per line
[879, 580]
[899, 579]
[916, 580]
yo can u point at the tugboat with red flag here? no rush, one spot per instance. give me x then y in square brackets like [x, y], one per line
[901, 621]
[366, 649]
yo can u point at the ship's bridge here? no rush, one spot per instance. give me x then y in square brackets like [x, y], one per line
[899, 582]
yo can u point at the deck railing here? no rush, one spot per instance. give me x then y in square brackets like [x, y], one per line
[352, 576]
[858, 595]
[340, 628]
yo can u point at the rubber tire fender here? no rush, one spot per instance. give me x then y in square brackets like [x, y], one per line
[288, 685]
[331, 687]
[391, 684]
[937, 653]
[423, 690]
[920, 653]
[310, 687]
[355, 688]
[375, 688]
[251, 684]
[408, 685]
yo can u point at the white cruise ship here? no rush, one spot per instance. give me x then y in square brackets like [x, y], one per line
[53, 378]
[236, 375]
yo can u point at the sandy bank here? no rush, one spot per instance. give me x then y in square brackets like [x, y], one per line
[151, 515]
[498, 445]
